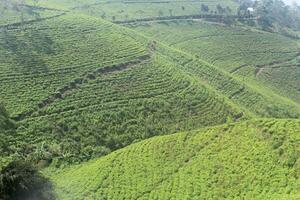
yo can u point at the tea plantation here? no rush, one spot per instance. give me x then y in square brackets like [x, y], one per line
[257, 158]
[145, 100]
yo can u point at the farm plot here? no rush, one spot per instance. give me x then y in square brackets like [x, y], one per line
[286, 77]
[136, 10]
[212, 163]
[121, 10]
[39, 59]
[116, 109]
[224, 46]
[240, 51]
[259, 101]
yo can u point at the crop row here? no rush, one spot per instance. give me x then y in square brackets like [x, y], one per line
[226, 47]
[212, 163]
[40, 58]
[116, 109]
[259, 102]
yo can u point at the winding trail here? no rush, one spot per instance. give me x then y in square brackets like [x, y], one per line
[276, 64]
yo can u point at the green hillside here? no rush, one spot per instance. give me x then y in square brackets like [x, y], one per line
[264, 60]
[39, 59]
[162, 99]
[81, 87]
[249, 160]
[124, 10]
[14, 12]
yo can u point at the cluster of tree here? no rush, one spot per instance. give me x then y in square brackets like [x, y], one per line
[271, 13]
[219, 9]
[21, 180]
[5, 122]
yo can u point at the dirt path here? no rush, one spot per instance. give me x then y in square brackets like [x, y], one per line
[76, 83]
[238, 68]
[276, 64]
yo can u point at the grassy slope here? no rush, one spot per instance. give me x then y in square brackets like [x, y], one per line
[263, 103]
[51, 75]
[257, 57]
[40, 58]
[251, 160]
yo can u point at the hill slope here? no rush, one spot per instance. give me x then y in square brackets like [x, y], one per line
[81, 87]
[250, 160]
[262, 59]
[122, 10]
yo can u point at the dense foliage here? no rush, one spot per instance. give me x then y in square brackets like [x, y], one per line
[250, 160]
[272, 13]
[84, 80]
[19, 180]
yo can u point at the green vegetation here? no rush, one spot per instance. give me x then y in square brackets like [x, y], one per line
[113, 110]
[243, 52]
[131, 10]
[251, 160]
[186, 100]
[43, 57]
[5, 122]
[19, 180]
[17, 12]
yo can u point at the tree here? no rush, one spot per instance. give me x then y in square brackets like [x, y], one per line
[220, 9]
[20, 180]
[204, 8]
[160, 13]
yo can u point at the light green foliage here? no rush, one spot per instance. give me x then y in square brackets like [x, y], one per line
[252, 160]
[128, 10]
[258, 101]
[15, 11]
[238, 50]
[224, 46]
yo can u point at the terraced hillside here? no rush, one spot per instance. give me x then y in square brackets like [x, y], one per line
[65, 78]
[110, 110]
[260, 58]
[259, 101]
[40, 59]
[122, 10]
[250, 160]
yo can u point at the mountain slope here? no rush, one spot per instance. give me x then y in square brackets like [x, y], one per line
[252, 160]
[81, 87]
[261, 59]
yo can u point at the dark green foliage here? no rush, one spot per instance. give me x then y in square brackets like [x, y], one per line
[5, 122]
[19, 180]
